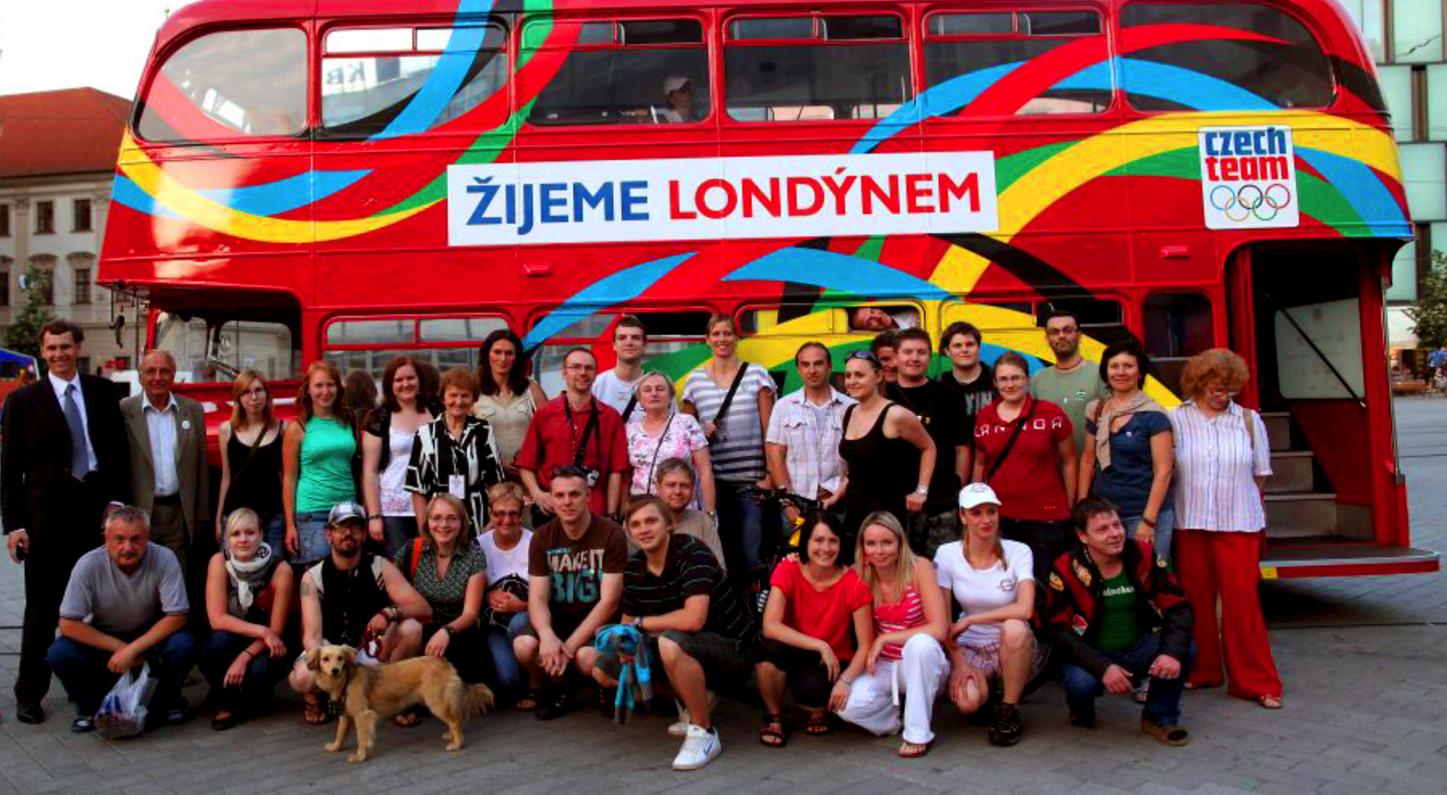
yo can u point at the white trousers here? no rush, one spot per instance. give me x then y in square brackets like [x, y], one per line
[874, 698]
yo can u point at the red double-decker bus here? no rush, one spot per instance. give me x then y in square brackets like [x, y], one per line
[348, 179]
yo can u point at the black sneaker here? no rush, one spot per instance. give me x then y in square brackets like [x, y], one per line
[1007, 728]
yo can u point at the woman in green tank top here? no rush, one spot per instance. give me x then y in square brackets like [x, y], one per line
[316, 462]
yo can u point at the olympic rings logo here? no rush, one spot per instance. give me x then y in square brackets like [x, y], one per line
[1240, 204]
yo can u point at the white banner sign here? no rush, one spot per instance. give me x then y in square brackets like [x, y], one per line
[1248, 177]
[720, 198]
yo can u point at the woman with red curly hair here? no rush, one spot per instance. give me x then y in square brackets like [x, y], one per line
[1222, 461]
[317, 454]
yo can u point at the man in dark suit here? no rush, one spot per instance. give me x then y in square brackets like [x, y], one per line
[62, 462]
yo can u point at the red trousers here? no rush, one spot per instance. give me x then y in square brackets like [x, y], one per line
[1211, 564]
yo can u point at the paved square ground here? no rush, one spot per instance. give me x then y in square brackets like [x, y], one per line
[1364, 660]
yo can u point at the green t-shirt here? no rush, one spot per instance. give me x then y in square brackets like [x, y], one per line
[1118, 622]
[325, 476]
[1070, 391]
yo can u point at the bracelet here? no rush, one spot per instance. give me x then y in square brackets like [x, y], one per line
[1151, 523]
[451, 633]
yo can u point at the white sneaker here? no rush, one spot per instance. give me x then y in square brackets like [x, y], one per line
[679, 728]
[699, 748]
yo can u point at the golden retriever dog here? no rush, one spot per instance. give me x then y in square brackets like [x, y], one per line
[369, 692]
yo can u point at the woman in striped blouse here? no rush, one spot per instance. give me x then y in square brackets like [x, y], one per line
[735, 429]
[910, 621]
[1222, 461]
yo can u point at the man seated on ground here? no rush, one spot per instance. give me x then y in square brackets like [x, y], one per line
[125, 605]
[1116, 612]
[575, 581]
[677, 596]
[351, 598]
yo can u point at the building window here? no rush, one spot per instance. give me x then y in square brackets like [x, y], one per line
[80, 212]
[45, 218]
[4, 220]
[82, 286]
[4, 288]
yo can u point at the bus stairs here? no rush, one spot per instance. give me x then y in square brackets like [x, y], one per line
[1308, 532]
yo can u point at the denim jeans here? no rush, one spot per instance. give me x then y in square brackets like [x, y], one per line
[504, 661]
[741, 526]
[262, 672]
[397, 531]
[82, 670]
[1163, 703]
[273, 532]
[1165, 529]
[312, 543]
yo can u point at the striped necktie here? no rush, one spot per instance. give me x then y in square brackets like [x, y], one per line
[79, 447]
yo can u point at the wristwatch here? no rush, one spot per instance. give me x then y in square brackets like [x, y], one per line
[922, 489]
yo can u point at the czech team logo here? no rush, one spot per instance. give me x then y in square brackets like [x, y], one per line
[1248, 177]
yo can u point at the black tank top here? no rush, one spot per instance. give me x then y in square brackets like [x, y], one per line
[350, 599]
[882, 471]
[255, 478]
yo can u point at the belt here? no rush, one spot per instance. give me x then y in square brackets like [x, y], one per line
[169, 499]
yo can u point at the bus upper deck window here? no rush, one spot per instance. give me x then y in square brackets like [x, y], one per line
[383, 81]
[229, 84]
[643, 71]
[1235, 70]
[966, 53]
[816, 67]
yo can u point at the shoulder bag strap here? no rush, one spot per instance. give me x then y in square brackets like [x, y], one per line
[723, 408]
[628, 409]
[1020, 423]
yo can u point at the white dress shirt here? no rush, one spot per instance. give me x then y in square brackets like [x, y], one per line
[60, 385]
[161, 426]
[1217, 463]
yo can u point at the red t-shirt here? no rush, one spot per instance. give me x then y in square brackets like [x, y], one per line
[551, 441]
[828, 614]
[1028, 484]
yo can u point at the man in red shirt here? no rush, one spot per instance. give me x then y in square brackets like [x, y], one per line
[576, 429]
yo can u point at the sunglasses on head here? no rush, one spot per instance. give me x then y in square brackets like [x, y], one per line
[868, 356]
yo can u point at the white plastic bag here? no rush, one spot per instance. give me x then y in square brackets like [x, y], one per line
[123, 711]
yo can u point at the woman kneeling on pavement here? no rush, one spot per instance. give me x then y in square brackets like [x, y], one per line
[248, 597]
[813, 603]
[992, 581]
[906, 658]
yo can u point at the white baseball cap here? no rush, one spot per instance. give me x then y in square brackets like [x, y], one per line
[977, 494]
[675, 82]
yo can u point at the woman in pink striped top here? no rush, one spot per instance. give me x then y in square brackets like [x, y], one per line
[910, 624]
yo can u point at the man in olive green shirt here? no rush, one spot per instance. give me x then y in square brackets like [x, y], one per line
[1072, 382]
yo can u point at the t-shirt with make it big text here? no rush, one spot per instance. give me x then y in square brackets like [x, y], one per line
[576, 566]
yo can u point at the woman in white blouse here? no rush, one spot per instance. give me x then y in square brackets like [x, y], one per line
[1222, 461]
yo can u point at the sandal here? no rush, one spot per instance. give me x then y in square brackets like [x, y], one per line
[772, 733]
[818, 725]
[528, 702]
[1270, 702]
[314, 712]
[909, 750]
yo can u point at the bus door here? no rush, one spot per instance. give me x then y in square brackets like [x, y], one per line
[1309, 321]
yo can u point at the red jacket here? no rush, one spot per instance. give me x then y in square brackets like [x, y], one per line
[1072, 598]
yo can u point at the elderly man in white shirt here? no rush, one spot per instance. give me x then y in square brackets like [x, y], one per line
[169, 477]
[802, 444]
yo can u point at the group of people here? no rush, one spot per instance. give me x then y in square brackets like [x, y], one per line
[538, 544]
